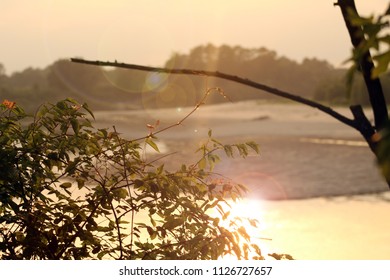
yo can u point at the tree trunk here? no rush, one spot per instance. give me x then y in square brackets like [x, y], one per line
[366, 65]
[374, 87]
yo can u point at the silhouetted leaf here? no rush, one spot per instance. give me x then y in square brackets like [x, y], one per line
[254, 146]
[152, 144]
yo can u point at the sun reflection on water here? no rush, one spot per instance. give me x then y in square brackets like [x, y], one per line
[250, 213]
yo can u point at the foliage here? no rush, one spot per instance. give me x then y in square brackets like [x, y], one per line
[70, 191]
[281, 256]
[377, 39]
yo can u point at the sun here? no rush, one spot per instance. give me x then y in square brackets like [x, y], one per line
[248, 213]
[249, 210]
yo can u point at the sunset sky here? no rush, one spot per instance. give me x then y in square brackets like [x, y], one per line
[36, 33]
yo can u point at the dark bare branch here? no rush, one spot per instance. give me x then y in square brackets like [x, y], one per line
[233, 78]
[365, 126]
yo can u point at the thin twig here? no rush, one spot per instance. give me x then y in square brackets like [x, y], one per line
[197, 106]
[129, 190]
[161, 157]
[118, 228]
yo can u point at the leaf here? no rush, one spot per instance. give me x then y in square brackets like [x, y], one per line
[357, 20]
[210, 206]
[103, 132]
[85, 106]
[102, 254]
[172, 223]
[14, 206]
[152, 144]
[253, 222]
[243, 150]
[96, 250]
[243, 233]
[160, 169]
[226, 215]
[61, 105]
[111, 224]
[80, 183]
[228, 150]
[383, 61]
[257, 249]
[281, 256]
[202, 163]
[121, 193]
[71, 168]
[138, 183]
[212, 159]
[243, 188]
[71, 100]
[152, 221]
[142, 225]
[153, 235]
[66, 185]
[254, 146]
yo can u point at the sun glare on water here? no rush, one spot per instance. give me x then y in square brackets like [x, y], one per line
[249, 214]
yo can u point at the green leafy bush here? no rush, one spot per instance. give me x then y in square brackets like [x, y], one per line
[70, 191]
[377, 39]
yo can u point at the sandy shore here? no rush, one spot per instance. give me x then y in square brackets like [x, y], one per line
[312, 179]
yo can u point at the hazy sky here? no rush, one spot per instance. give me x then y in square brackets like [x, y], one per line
[36, 33]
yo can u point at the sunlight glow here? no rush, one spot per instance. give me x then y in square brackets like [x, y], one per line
[249, 211]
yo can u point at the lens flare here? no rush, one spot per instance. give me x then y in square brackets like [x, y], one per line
[156, 81]
[248, 213]
[162, 91]
[262, 185]
[124, 80]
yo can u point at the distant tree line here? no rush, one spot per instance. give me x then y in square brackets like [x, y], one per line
[106, 89]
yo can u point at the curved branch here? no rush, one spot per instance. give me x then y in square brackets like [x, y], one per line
[224, 76]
